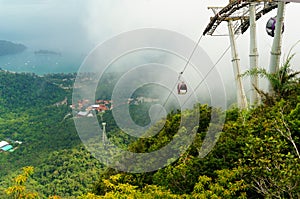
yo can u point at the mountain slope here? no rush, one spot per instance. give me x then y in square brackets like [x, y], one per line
[21, 90]
[7, 48]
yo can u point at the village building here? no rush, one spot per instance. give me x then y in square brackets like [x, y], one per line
[3, 143]
[82, 114]
[5, 146]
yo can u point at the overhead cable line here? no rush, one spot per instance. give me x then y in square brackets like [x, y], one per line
[185, 67]
[210, 70]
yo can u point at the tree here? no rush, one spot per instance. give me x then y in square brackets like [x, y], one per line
[270, 154]
[18, 190]
[125, 190]
[284, 82]
[228, 184]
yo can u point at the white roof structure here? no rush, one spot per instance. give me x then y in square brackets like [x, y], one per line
[90, 115]
[82, 113]
[3, 143]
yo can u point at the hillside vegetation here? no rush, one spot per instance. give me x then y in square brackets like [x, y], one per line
[256, 156]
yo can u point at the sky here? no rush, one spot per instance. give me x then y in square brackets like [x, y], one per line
[80, 25]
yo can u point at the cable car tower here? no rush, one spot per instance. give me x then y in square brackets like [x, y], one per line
[240, 15]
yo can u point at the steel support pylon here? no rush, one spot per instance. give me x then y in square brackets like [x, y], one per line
[241, 97]
[254, 97]
[277, 42]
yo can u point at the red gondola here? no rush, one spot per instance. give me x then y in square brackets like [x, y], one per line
[181, 88]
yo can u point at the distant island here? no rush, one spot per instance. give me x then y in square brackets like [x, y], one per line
[46, 52]
[9, 48]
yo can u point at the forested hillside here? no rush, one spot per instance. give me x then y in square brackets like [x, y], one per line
[31, 113]
[24, 91]
[256, 156]
[8, 48]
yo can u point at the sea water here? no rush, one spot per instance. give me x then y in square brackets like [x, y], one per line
[31, 62]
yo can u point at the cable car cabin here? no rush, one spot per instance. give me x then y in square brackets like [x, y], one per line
[271, 25]
[182, 88]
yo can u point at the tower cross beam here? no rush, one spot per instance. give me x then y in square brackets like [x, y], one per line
[230, 12]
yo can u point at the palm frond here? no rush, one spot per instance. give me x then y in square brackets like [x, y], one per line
[293, 75]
